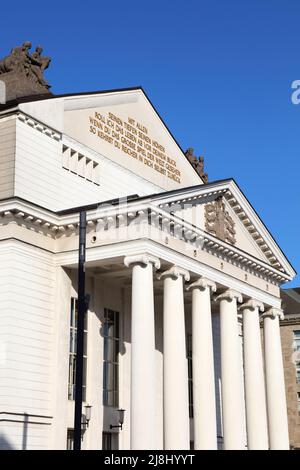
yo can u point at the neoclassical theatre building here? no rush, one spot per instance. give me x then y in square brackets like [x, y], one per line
[183, 277]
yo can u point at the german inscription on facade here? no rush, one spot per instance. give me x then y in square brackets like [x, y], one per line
[133, 139]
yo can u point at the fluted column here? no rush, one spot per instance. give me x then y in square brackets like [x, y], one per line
[255, 395]
[231, 372]
[205, 429]
[276, 398]
[143, 377]
[176, 400]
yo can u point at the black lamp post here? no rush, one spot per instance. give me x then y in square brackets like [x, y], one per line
[81, 311]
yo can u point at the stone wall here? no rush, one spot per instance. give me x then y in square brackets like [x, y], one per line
[292, 387]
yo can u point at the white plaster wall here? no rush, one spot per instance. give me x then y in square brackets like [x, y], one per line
[7, 156]
[40, 177]
[26, 339]
[60, 362]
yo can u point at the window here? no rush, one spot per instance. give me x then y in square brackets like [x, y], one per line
[111, 358]
[298, 372]
[296, 340]
[190, 373]
[298, 401]
[80, 165]
[70, 439]
[72, 352]
[106, 441]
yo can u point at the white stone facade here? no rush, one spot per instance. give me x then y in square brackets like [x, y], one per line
[150, 259]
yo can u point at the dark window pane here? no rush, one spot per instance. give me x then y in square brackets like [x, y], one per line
[70, 439]
[106, 441]
[116, 377]
[110, 376]
[73, 350]
[105, 397]
[85, 344]
[110, 350]
[105, 375]
[110, 358]
[110, 398]
[116, 398]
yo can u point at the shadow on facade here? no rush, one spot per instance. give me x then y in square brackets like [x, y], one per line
[4, 443]
[20, 419]
[25, 432]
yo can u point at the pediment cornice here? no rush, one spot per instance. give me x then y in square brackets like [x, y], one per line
[56, 226]
[242, 209]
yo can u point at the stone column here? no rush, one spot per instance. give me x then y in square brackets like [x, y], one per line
[143, 377]
[176, 400]
[276, 399]
[231, 372]
[205, 428]
[256, 411]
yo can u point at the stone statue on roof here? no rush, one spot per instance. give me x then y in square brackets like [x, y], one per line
[23, 73]
[197, 163]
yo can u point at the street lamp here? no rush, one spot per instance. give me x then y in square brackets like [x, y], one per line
[88, 414]
[85, 419]
[121, 419]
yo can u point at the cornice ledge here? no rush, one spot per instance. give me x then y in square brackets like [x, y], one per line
[255, 227]
[69, 224]
[38, 125]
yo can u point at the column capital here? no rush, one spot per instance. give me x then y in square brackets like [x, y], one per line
[230, 294]
[142, 259]
[274, 312]
[202, 283]
[174, 272]
[252, 304]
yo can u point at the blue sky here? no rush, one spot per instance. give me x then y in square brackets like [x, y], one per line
[219, 73]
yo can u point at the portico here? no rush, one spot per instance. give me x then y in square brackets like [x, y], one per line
[182, 297]
[153, 271]
[176, 423]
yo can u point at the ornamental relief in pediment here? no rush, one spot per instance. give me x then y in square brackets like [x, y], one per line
[218, 222]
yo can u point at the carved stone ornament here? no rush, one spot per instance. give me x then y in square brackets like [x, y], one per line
[175, 272]
[22, 72]
[142, 260]
[198, 164]
[203, 283]
[218, 222]
[274, 313]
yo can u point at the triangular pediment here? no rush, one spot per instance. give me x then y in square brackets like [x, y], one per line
[222, 211]
[221, 221]
[124, 127]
